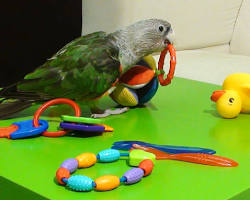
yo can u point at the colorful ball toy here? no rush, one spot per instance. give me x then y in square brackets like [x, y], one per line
[139, 84]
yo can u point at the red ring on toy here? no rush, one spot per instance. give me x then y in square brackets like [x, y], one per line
[170, 75]
[50, 103]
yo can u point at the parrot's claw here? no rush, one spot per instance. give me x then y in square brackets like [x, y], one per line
[109, 112]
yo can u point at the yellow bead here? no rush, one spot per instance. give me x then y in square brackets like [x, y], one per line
[86, 160]
[107, 182]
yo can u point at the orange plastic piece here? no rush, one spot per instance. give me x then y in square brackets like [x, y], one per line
[201, 158]
[108, 128]
[217, 94]
[86, 160]
[107, 182]
[50, 103]
[170, 75]
[6, 131]
[147, 166]
[62, 173]
[137, 75]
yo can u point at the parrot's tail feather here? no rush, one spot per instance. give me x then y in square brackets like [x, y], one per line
[11, 92]
[13, 101]
[7, 108]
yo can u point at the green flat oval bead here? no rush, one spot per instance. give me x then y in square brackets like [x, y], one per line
[138, 155]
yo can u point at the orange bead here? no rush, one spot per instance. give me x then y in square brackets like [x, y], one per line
[147, 166]
[107, 182]
[62, 173]
[86, 160]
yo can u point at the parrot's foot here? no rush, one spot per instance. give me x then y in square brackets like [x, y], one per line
[109, 112]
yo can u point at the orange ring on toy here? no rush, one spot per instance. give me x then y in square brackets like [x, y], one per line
[170, 75]
[50, 103]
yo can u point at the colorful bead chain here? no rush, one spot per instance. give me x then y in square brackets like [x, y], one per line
[144, 161]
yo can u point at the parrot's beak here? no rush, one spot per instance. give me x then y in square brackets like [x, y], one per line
[170, 37]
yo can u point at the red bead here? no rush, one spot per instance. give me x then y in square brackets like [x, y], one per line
[147, 166]
[62, 173]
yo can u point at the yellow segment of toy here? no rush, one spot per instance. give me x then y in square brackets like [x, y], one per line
[124, 96]
[151, 61]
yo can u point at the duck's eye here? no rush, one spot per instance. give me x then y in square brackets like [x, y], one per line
[161, 28]
[231, 100]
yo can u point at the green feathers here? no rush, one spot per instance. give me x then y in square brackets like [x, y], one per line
[83, 69]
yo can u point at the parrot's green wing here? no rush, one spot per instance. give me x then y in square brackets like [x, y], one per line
[83, 69]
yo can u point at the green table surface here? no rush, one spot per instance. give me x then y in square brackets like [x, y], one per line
[179, 114]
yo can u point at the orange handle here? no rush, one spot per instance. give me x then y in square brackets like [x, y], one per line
[205, 159]
[200, 158]
[6, 131]
[170, 75]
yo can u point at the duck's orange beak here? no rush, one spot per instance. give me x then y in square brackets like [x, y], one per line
[217, 94]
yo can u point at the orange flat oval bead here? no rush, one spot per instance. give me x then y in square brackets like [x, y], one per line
[86, 160]
[107, 182]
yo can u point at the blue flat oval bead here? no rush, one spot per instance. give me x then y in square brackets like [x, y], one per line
[80, 183]
[108, 155]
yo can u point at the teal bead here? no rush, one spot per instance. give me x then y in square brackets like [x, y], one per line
[80, 183]
[108, 155]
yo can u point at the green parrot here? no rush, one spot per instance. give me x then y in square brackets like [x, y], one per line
[87, 67]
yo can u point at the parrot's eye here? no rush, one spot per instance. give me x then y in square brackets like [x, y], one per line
[231, 100]
[161, 28]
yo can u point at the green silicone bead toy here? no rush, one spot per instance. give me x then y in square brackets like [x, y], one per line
[137, 155]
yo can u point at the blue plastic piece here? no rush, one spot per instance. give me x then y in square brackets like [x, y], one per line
[126, 145]
[124, 154]
[80, 183]
[108, 155]
[123, 179]
[93, 184]
[26, 129]
[65, 180]
[148, 91]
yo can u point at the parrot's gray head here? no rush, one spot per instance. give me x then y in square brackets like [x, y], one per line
[141, 39]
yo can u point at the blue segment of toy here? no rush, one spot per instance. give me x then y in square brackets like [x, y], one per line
[82, 127]
[147, 92]
[108, 155]
[80, 183]
[126, 145]
[26, 129]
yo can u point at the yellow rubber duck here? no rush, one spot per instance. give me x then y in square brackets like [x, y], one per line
[235, 96]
